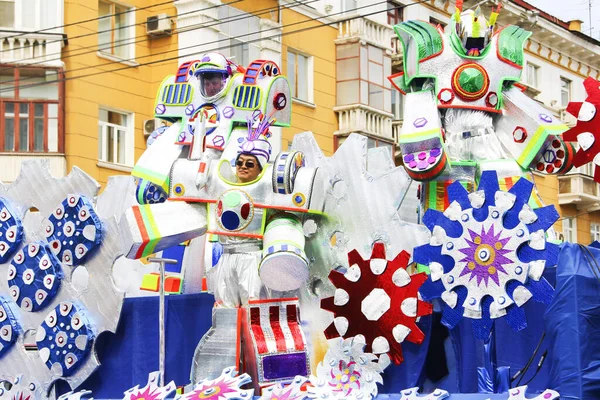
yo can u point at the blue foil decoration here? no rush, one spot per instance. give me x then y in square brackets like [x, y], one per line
[9, 329]
[34, 276]
[64, 339]
[74, 230]
[11, 231]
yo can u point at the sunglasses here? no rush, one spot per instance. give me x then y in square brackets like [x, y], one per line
[249, 164]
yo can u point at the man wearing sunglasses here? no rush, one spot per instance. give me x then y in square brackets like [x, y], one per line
[247, 168]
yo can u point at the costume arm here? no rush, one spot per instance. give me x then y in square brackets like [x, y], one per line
[532, 135]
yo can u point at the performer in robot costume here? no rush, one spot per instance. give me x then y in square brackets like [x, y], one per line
[464, 112]
[235, 280]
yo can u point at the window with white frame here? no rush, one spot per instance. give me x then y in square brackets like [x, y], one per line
[348, 6]
[116, 29]
[595, 232]
[565, 91]
[31, 14]
[397, 105]
[237, 35]
[300, 75]
[569, 230]
[533, 72]
[115, 137]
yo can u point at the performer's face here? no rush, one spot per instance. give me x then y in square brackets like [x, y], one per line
[246, 168]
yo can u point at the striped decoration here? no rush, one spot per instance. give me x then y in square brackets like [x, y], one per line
[178, 94]
[275, 327]
[247, 97]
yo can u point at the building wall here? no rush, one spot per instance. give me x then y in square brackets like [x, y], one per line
[132, 89]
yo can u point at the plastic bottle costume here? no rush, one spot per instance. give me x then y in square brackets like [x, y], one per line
[464, 113]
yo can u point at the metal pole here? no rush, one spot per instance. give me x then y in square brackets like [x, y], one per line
[161, 316]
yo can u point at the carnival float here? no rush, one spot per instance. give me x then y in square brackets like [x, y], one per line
[317, 286]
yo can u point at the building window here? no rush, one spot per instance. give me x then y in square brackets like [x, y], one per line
[116, 29]
[300, 75]
[397, 105]
[7, 13]
[533, 73]
[31, 110]
[235, 37]
[115, 137]
[595, 232]
[565, 91]
[569, 230]
[394, 13]
[348, 6]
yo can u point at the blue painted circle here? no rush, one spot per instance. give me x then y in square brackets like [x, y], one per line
[65, 338]
[11, 231]
[230, 220]
[9, 329]
[34, 276]
[149, 193]
[74, 230]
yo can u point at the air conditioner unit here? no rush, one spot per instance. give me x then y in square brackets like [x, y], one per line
[150, 125]
[159, 25]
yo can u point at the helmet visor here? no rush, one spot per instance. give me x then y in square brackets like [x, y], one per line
[212, 83]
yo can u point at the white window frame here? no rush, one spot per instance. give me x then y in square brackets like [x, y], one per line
[130, 40]
[56, 6]
[346, 7]
[569, 229]
[310, 75]
[129, 139]
[536, 72]
[595, 231]
[253, 47]
[569, 83]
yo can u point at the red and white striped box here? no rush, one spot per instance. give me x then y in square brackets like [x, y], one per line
[274, 344]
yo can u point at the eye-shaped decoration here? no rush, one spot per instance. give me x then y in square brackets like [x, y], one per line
[9, 329]
[73, 224]
[34, 277]
[66, 328]
[11, 231]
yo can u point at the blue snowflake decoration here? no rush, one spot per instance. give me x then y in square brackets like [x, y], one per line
[11, 231]
[74, 230]
[34, 276]
[149, 193]
[9, 329]
[487, 254]
[64, 339]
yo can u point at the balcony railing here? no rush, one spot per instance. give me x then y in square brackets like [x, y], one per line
[10, 164]
[28, 48]
[397, 53]
[578, 189]
[364, 119]
[370, 31]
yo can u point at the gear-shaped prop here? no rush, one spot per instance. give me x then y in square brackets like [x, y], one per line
[74, 230]
[413, 394]
[152, 390]
[11, 230]
[293, 391]
[21, 389]
[387, 297]
[228, 386]
[346, 372]
[587, 130]
[34, 277]
[487, 254]
[64, 339]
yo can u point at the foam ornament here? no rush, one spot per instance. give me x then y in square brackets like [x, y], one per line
[152, 390]
[518, 393]
[413, 394]
[82, 394]
[293, 391]
[225, 387]
[487, 254]
[378, 299]
[587, 130]
[346, 372]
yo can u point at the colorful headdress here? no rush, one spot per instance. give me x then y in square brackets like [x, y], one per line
[472, 29]
[257, 143]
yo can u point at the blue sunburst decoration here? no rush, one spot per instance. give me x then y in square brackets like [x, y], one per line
[9, 329]
[487, 254]
[64, 339]
[74, 230]
[11, 231]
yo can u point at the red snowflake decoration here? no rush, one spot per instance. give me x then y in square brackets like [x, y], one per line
[378, 299]
[587, 130]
